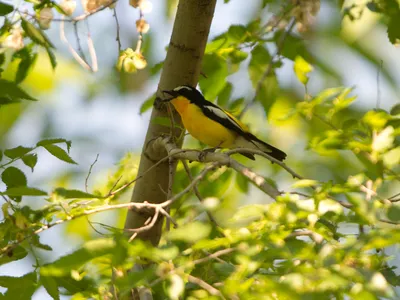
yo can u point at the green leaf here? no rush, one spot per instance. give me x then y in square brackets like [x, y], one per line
[36, 34]
[242, 183]
[23, 191]
[5, 9]
[68, 194]
[392, 158]
[14, 254]
[146, 105]
[21, 288]
[393, 30]
[225, 95]
[27, 62]
[17, 152]
[236, 32]
[60, 153]
[394, 213]
[2, 59]
[302, 68]
[52, 58]
[216, 70]
[302, 183]
[54, 141]
[11, 91]
[268, 88]
[395, 110]
[13, 177]
[51, 286]
[30, 160]
[190, 233]
[89, 251]
[1, 155]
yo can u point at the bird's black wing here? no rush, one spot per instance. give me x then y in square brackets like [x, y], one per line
[218, 115]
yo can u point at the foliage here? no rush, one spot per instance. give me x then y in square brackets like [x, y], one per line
[327, 236]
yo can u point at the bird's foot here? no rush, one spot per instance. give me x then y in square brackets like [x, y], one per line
[204, 152]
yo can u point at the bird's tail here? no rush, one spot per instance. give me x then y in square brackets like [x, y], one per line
[251, 141]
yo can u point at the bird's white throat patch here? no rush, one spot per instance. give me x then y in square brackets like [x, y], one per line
[182, 87]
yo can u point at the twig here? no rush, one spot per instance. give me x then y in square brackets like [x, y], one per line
[213, 256]
[92, 50]
[71, 49]
[263, 154]
[197, 193]
[316, 237]
[90, 172]
[118, 39]
[269, 69]
[171, 168]
[201, 283]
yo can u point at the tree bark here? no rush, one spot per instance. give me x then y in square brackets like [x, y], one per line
[182, 66]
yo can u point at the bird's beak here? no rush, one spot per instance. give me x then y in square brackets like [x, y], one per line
[172, 93]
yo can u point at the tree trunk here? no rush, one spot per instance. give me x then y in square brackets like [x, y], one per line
[182, 66]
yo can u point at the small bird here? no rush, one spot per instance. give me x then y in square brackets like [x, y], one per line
[212, 125]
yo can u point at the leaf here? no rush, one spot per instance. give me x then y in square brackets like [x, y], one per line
[242, 183]
[393, 30]
[17, 152]
[383, 140]
[68, 194]
[392, 158]
[225, 95]
[268, 86]
[14, 254]
[52, 58]
[51, 286]
[59, 153]
[176, 287]
[30, 160]
[89, 251]
[190, 233]
[394, 213]
[36, 34]
[216, 70]
[302, 68]
[25, 65]
[147, 104]
[21, 288]
[23, 191]
[1, 155]
[395, 110]
[13, 92]
[13, 177]
[54, 141]
[5, 9]
[302, 183]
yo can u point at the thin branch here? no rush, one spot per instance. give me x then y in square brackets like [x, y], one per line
[209, 288]
[90, 172]
[197, 193]
[213, 256]
[118, 39]
[269, 69]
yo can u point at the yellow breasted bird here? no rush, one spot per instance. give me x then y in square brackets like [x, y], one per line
[212, 125]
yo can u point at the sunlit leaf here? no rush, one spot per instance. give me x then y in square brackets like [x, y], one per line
[30, 160]
[67, 194]
[51, 286]
[301, 69]
[36, 34]
[190, 233]
[23, 191]
[5, 9]
[87, 252]
[13, 92]
[59, 153]
[216, 71]
[147, 104]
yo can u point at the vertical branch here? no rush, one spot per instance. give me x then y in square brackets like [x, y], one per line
[182, 66]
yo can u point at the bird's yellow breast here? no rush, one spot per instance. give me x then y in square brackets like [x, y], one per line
[201, 127]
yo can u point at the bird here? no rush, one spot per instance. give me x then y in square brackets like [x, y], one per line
[213, 126]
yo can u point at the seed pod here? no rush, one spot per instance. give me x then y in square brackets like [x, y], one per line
[68, 6]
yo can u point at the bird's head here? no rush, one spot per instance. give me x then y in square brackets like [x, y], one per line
[186, 92]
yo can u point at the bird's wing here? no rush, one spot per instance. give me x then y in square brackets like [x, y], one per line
[224, 118]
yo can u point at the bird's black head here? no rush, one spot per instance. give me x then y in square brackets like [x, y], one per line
[189, 92]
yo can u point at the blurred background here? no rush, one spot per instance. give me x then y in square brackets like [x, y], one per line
[100, 112]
